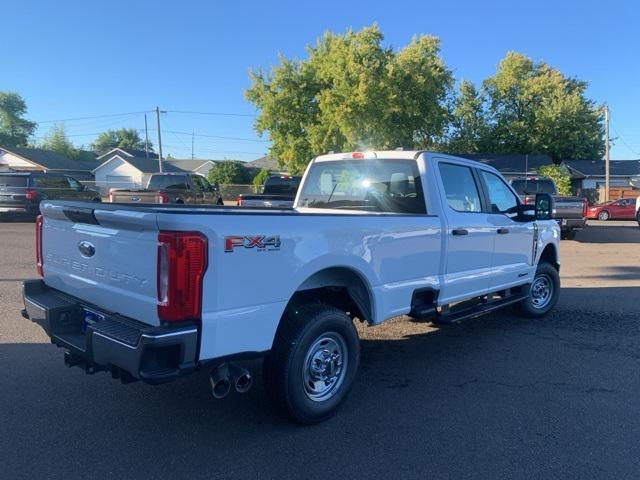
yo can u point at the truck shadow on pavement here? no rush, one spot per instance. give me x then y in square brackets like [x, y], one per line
[628, 232]
[513, 391]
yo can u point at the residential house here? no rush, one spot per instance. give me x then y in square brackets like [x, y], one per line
[122, 168]
[590, 174]
[26, 159]
[511, 166]
[267, 162]
[201, 167]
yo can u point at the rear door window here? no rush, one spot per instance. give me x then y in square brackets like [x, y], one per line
[460, 188]
[50, 182]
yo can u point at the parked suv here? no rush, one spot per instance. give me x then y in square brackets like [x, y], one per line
[21, 192]
[171, 188]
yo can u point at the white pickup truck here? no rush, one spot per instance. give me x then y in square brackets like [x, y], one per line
[151, 292]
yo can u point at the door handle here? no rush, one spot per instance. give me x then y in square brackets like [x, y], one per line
[503, 231]
[459, 231]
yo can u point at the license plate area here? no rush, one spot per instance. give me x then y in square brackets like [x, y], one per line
[89, 317]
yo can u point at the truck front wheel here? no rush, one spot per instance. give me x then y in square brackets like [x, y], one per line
[313, 363]
[543, 292]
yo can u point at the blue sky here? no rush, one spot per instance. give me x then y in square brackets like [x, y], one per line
[77, 58]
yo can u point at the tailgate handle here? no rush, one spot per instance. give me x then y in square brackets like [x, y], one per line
[503, 231]
[459, 231]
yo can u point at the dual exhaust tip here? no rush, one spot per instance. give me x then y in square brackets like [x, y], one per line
[227, 374]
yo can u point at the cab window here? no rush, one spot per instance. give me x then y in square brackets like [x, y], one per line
[501, 198]
[460, 188]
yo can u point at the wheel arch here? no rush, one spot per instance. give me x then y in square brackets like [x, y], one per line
[550, 255]
[341, 286]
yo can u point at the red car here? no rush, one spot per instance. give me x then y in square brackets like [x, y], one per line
[623, 209]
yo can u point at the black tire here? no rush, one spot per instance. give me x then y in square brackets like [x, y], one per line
[292, 355]
[220, 201]
[604, 216]
[532, 307]
[570, 234]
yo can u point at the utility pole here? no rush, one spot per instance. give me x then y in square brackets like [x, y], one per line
[606, 153]
[159, 140]
[193, 134]
[146, 138]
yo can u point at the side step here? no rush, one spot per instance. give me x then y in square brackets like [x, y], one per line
[477, 310]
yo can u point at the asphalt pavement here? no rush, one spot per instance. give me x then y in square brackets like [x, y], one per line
[495, 397]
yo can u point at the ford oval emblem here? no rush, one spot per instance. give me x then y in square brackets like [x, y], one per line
[87, 249]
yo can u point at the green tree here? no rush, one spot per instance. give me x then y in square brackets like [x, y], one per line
[15, 130]
[122, 138]
[534, 108]
[229, 172]
[469, 127]
[560, 177]
[260, 178]
[57, 141]
[350, 93]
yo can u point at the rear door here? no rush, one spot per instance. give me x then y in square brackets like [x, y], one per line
[513, 239]
[470, 234]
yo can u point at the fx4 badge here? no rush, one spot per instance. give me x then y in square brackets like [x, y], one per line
[260, 242]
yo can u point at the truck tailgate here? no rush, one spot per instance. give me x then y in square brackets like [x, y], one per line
[111, 265]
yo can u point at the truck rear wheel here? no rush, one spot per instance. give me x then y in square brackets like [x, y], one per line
[313, 363]
[543, 292]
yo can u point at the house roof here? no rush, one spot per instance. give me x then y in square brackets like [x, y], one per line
[595, 168]
[267, 162]
[511, 164]
[128, 152]
[145, 165]
[191, 165]
[50, 160]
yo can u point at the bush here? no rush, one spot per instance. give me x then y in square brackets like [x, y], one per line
[229, 172]
[559, 176]
[259, 179]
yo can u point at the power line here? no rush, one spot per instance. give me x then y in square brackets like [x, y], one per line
[623, 141]
[90, 117]
[222, 114]
[219, 136]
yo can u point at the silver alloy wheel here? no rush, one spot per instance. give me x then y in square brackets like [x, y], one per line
[604, 216]
[325, 366]
[541, 291]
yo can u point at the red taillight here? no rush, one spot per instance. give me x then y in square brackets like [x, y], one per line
[163, 197]
[357, 155]
[238, 201]
[585, 207]
[30, 194]
[39, 246]
[110, 196]
[526, 201]
[182, 261]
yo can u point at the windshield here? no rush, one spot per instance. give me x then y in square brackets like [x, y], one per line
[533, 186]
[372, 185]
[163, 182]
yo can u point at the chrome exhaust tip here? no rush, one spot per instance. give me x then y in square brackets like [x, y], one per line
[241, 378]
[220, 381]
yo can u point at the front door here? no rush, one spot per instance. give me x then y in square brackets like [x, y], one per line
[470, 235]
[513, 246]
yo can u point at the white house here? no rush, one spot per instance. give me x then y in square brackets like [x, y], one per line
[121, 169]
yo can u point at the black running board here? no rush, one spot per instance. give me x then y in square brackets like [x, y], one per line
[478, 310]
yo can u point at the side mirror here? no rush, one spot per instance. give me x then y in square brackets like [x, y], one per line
[545, 207]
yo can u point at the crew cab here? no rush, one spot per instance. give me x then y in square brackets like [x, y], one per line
[571, 212]
[278, 191]
[171, 187]
[154, 292]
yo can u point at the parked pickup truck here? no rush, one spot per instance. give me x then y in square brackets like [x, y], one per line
[278, 191]
[154, 292]
[182, 188]
[571, 212]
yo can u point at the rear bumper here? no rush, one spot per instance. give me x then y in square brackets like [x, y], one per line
[129, 349]
[572, 223]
